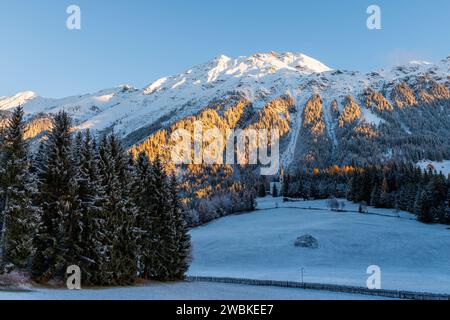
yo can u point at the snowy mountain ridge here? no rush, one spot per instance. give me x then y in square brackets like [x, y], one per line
[259, 78]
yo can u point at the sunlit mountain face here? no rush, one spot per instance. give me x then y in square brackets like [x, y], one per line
[325, 115]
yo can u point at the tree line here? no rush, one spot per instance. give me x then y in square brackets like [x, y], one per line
[77, 201]
[397, 186]
[403, 187]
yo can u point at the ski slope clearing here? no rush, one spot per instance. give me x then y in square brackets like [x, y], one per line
[442, 166]
[183, 291]
[260, 245]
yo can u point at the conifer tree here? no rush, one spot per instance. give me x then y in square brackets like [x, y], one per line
[448, 196]
[422, 206]
[261, 190]
[375, 197]
[274, 191]
[438, 189]
[182, 238]
[285, 186]
[58, 238]
[118, 213]
[91, 198]
[162, 223]
[385, 199]
[144, 195]
[20, 217]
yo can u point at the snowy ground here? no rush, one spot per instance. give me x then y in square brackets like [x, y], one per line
[443, 166]
[183, 291]
[259, 245]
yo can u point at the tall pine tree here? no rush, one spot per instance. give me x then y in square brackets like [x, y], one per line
[17, 186]
[90, 200]
[181, 237]
[162, 223]
[144, 195]
[119, 214]
[59, 234]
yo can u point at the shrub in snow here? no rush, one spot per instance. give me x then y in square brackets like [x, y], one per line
[14, 280]
[307, 241]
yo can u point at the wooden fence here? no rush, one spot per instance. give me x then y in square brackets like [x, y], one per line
[395, 294]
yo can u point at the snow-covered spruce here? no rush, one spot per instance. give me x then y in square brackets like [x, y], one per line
[91, 207]
[19, 217]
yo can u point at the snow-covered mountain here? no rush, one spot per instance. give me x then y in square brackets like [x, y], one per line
[399, 103]
[127, 108]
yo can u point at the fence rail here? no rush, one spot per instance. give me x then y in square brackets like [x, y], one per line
[395, 294]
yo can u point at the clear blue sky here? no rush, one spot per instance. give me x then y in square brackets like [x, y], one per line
[138, 41]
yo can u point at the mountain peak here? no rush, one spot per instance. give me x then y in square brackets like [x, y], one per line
[18, 99]
[297, 61]
[221, 58]
[240, 71]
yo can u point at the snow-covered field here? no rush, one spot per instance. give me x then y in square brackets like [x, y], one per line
[442, 166]
[260, 245]
[183, 291]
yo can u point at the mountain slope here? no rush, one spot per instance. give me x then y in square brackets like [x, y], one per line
[403, 113]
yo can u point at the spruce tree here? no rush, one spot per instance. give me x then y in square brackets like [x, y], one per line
[180, 233]
[59, 234]
[446, 213]
[375, 197]
[438, 189]
[163, 227]
[352, 187]
[274, 191]
[90, 200]
[385, 199]
[422, 206]
[261, 190]
[118, 213]
[17, 186]
[144, 195]
[285, 186]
